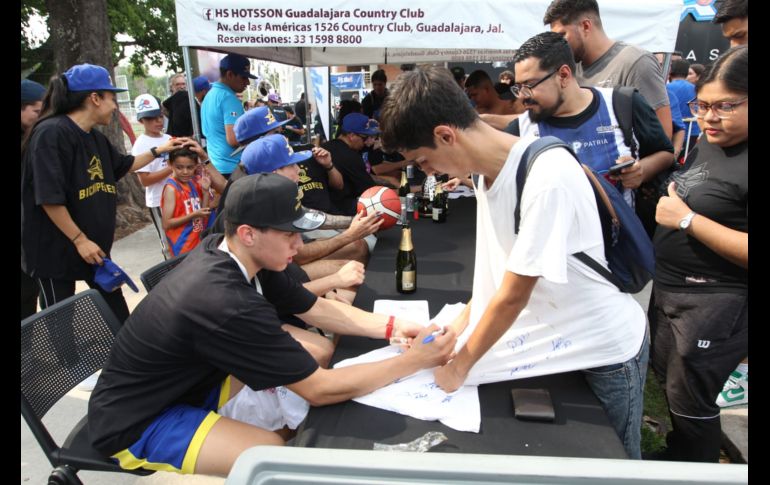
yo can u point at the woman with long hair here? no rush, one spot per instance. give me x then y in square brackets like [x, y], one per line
[68, 192]
[699, 307]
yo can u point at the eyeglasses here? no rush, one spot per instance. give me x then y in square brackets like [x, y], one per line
[723, 109]
[525, 90]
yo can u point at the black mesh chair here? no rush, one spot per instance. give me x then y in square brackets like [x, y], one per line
[61, 346]
[152, 276]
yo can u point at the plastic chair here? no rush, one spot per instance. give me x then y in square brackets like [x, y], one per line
[61, 346]
[152, 276]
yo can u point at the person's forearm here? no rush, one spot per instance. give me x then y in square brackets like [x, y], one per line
[678, 143]
[335, 179]
[500, 314]
[655, 163]
[322, 286]
[499, 122]
[61, 218]
[178, 221]
[342, 319]
[318, 249]
[728, 243]
[386, 168]
[334, 221]
[462, 320]
[151, 178]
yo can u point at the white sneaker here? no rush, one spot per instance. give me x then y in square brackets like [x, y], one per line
[89, 383]
[735, 391]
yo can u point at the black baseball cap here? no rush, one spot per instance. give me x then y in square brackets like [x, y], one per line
[270, 200]
[458, 72]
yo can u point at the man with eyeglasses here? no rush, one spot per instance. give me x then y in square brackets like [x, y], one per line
[604, 62]
[583, 117]
[356, 132]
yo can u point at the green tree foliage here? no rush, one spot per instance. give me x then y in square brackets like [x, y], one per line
[150, 24]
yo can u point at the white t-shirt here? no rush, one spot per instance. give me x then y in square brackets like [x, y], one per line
[143, 143]
[575, 319]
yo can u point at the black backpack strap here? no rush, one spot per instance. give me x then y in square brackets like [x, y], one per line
[594, 265]
[525, 165]
[622, 106]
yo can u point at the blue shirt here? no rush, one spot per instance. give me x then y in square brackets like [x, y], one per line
[220, 107]
[676, 116]
[685, 92]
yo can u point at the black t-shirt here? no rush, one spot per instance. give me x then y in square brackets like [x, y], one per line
[292, 136]
[372, 103]
[64, 165]
[647, 128]
[179, 119]
[715, 183]
[299, 110]
[204, 321]
[353, 170]
[314, 184]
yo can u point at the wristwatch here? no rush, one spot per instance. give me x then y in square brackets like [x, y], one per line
[154, 151]
[684, 223]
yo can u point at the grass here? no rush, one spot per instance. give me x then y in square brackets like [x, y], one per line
[655, 406]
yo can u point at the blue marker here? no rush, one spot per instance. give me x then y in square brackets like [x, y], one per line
[430, 338]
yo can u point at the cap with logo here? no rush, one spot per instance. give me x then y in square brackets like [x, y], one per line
[274, 97]
[201, 83]
[111, 277]
[31, 92]
[254, 122]
[87, 77]
[360, 124]
[269, 200]
[146, 106]
[458, 73]
[237, 64]
[271, 153]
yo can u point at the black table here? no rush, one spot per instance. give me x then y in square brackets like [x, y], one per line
[445, 254]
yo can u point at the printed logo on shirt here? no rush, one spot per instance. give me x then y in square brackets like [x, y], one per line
[704, 344]
[303, 178]
[269, 117]
[689, 179]
[95, 168]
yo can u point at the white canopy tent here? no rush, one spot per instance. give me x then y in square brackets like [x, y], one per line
[348, 32]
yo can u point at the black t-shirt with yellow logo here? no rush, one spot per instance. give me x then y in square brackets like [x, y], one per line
[314, 185]
[64, 165]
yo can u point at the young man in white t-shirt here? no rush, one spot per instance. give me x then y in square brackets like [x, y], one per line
[535, 308]
[152, 176]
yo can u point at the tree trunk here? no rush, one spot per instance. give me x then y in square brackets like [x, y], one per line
[80, 33]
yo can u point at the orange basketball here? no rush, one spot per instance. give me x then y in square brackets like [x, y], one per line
[383, 200]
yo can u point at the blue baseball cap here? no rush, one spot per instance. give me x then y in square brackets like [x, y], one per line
[31, 92]
[253, 123]
[238, 64]
[111, 277]
[271, 153]
[87, 77]
[201, 83]
[360, 124]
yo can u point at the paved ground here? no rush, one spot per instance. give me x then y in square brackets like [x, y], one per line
[135, 254]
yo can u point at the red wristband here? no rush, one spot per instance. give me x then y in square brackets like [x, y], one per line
[389, 327]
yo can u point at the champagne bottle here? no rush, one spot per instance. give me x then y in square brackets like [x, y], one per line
[406, 263]
[439, 204]
[404, 188]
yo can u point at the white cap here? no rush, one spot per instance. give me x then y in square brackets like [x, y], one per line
[146, 106]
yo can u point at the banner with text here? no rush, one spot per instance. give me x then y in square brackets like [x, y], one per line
[482, 24]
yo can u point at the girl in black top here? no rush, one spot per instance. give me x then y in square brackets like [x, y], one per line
[699, 308]
[69, 176]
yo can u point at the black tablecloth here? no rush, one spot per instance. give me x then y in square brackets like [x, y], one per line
[445, 254]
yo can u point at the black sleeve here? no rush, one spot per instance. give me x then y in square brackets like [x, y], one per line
[513, 128]
[50, 155]
[353, 170]
[367, 106]
[649, 133]
[286, 294]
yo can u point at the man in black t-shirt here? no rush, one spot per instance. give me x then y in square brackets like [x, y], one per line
[177, 108]
[211, 327]
[346, 154]
[373, 101]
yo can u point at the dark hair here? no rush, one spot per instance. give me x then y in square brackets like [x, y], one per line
[508, 74]
[379, 75]
[698, 68]
[568, 12]
[476, 78]
[58, 100]
[679, 68]
[730, 9]
[419, 101]
[347, 106]
[182, 152]
[551, 48]
[732, 68]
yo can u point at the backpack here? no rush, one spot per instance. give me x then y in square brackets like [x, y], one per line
[627, 247]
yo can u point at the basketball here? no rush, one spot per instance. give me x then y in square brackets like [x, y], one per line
[383, 200]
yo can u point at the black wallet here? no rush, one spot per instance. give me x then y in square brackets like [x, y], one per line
[532, 404]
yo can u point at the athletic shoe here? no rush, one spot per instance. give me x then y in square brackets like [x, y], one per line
[735, 391]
